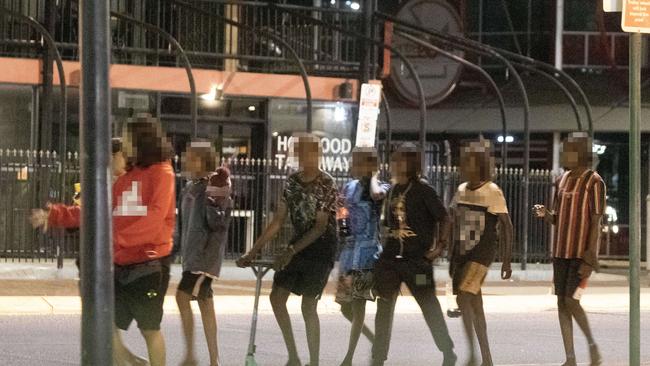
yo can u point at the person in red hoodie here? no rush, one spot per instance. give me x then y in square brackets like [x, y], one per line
[144, 211]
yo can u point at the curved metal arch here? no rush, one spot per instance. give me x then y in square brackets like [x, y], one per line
[520, 58]
[186, 62]
[400, 55]
[63, 133]
[386, 106]
[526, 106]
[285, 44]
[565, 91]
[486, 76]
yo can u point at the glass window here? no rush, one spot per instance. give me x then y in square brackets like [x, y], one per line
[15, 116]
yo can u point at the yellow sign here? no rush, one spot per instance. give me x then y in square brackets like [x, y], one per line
[636, 16]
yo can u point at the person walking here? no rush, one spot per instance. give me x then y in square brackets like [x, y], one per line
[363, 197]
[413, 211]
[310, 201]
[144, 210]
[578, 207]
[481, 225]
[201, 237]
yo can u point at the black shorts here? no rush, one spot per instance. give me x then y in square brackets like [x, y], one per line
[390, 273]
[197, 285]
[141, 300]
[304, 277]
[565, 276]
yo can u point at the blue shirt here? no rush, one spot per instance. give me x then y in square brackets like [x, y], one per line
[362, 247]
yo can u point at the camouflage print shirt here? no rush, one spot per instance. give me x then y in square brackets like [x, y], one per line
[303, 201]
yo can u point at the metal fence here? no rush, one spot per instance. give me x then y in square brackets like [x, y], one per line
[30, 179]
[200, 28]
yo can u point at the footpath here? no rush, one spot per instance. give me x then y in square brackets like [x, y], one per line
[34, 288]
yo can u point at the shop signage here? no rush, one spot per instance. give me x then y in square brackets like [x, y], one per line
[368, 114]
[636, 16]
[336, 152]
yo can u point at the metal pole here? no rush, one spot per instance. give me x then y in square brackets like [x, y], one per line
[366, 51]
[389, 131]
[635, 198]
[559, 31]
[647, 233]
[97, 291]
[47, 105]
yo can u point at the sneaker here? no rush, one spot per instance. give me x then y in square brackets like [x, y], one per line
[454, 313]
[596, 359]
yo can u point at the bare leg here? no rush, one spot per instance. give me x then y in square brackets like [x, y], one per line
[210, 328]
[155, 346]
[566, 327]
[580, 316]
[123, 356]
[466, 308]
[432, 313]
[279, 297]
[312, 326]
[187, 318]
[346, 310]
[480, 325]
[358, 323]
[578, 313]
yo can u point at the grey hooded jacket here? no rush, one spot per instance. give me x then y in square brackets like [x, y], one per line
[201, 234]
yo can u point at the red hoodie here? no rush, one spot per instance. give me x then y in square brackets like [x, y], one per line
[144, 212]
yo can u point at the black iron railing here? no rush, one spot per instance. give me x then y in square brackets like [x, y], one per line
[31, 179]
[200, 28]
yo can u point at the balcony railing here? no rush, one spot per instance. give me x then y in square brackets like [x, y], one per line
[200, 28]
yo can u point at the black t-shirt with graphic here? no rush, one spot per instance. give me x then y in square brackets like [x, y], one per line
[304, 200]
[475, 222]
[412, 212]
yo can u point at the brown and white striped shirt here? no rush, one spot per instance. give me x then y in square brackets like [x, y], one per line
[576, 200]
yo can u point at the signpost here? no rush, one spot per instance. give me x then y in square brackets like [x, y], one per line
[368, 114]
[636, 20]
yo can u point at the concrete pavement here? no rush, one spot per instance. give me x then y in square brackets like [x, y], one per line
[40, 288]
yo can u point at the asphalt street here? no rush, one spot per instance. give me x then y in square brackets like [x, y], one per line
[516, 338]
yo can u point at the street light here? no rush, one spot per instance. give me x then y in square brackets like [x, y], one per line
[216, 93]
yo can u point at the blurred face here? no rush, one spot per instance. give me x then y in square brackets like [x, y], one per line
[572, 155]
[193, 165]
[307, 150]
[364, 164]
[470, 167]
[399, 168]
[118, 164]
